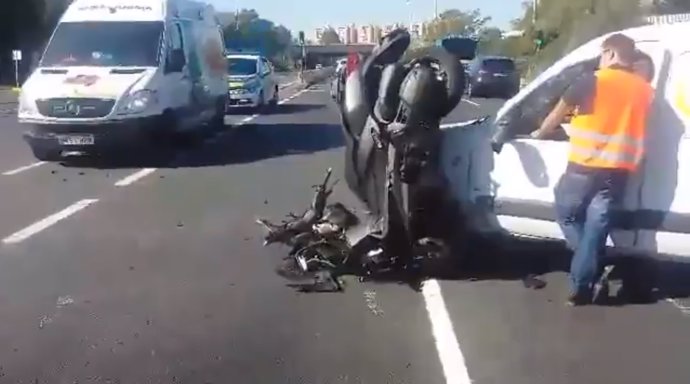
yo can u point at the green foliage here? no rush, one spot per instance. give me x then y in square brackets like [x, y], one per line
[246, 29]
[567, 24]
[330, 36]
[456, 22]
[670, 6]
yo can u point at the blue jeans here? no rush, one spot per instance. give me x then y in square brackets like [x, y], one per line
[584, 200]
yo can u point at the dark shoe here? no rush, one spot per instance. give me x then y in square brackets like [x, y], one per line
[579, 299]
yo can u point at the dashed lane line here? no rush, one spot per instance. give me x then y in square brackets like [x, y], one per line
[47, 222]
[447, 346]
[22, 169]
[131, 179]
[136, 176]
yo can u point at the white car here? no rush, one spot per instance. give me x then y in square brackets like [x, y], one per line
[512, 190]
[251, 82]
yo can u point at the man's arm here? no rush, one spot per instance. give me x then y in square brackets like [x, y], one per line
[579, 94]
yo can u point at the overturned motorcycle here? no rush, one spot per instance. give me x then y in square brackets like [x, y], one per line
[391, 116]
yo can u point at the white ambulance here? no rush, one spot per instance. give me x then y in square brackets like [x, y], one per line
[505, 179]
[118, 72]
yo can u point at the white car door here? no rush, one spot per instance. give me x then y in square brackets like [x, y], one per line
[664, 217]
[527, 170]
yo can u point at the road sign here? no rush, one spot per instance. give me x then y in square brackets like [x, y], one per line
[17, 55]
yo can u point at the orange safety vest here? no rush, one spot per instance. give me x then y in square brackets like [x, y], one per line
[613, 134]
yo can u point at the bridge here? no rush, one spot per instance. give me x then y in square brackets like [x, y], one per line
[328, 54]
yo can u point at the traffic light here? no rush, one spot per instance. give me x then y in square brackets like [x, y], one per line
[301, 37]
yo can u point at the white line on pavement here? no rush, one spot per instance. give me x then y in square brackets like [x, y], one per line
[281, 86]
[471, 102]
[22, 169]
[447, 346]
[134, 177]
[147, 171]
[43, 224]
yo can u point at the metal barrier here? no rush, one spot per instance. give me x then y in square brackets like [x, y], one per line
[668, 19]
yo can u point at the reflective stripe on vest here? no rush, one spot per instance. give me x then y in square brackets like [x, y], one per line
[612, 135]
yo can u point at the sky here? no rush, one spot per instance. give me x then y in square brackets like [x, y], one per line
[307, 15]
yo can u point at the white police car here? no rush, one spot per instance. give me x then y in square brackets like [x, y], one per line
[251, 82]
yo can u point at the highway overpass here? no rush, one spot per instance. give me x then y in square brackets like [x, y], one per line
[328, 54]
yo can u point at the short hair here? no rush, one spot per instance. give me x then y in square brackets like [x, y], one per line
[622, 45]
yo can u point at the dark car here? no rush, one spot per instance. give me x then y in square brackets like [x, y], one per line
[492, 76]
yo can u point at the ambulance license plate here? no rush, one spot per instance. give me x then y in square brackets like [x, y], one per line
[76, 140]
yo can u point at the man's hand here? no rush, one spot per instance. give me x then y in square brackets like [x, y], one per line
[552, 121]
[538, 134]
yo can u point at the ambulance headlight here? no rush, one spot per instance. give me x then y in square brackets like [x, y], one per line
[139, 101]
[26, 105]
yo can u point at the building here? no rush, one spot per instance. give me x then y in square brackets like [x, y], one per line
[370, 34]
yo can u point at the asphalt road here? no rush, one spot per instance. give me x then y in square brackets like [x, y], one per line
[152, 271]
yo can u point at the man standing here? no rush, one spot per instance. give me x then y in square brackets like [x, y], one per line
[607, 134]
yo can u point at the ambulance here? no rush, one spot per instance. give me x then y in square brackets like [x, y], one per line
[505, 180]
[120, 73]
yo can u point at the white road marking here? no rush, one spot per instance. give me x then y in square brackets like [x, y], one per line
[134, 177]
[45, 223]
[22, 169]
[684, 309]
[471, 102]
[147, 171]
[447, 346]
[281, 86]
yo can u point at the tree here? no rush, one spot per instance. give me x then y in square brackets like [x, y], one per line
[491, 42]
[330, 36]
[662, 7]
[456, 22]
[247, 30]
[568, 24]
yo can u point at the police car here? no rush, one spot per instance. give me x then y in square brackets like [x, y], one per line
[251, 81]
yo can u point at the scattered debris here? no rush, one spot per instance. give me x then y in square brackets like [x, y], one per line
[370, 299]
[64, 301]
[533, 282]
[45, 320]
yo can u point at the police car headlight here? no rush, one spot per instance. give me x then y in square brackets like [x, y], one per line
[139, 101]
[253, 86]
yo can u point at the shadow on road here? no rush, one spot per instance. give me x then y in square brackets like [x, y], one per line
[631, 280]
[277, 109]
[244, 144]
[528, 262]
[297, 108]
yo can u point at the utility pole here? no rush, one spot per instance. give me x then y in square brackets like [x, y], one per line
[535, 7]
[435, 9]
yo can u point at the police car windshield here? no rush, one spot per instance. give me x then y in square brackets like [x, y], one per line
[105, 44]
[241, 66]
